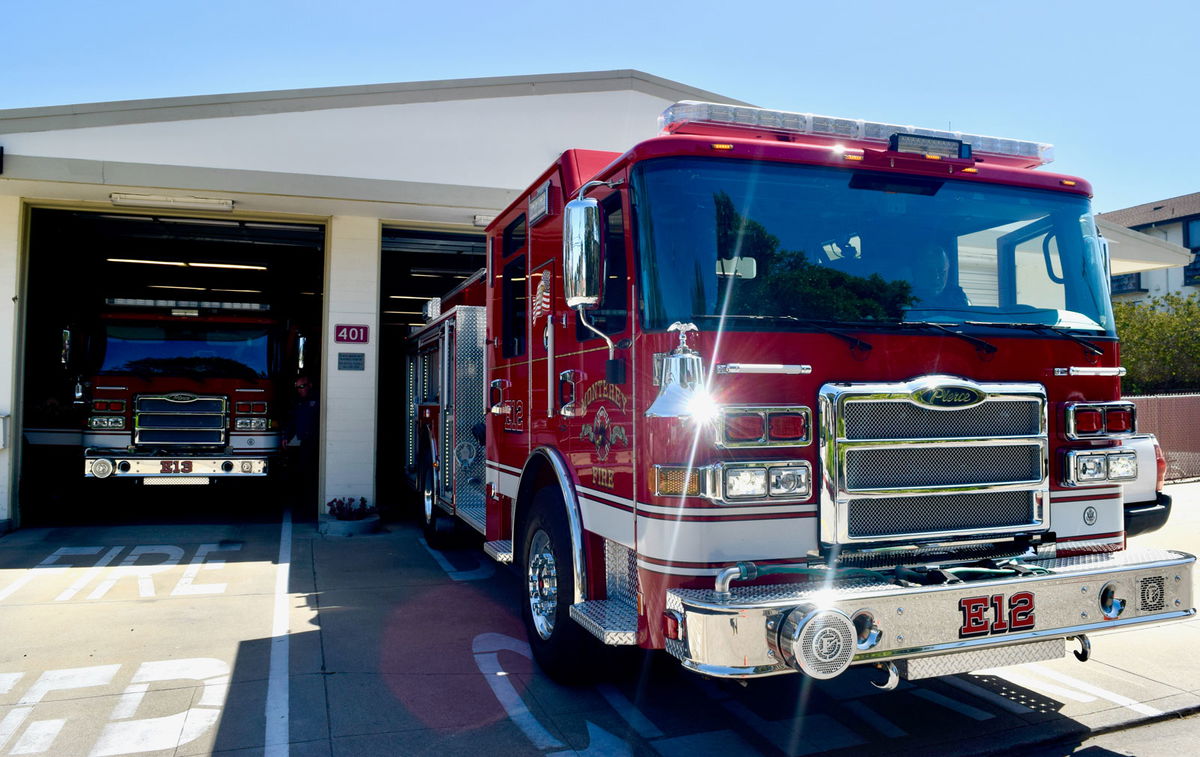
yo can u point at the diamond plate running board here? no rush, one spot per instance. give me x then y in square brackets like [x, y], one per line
[610, 621]
[500, 551]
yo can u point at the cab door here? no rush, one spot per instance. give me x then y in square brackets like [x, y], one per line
[508, 344]
[597, 412]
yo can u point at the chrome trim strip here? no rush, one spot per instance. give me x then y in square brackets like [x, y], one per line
[772, 368]
[1070, 468]
[1071, 408]
[574, 519]
[764, 411]
[994, 642]
[712, 481]
[1085, 371]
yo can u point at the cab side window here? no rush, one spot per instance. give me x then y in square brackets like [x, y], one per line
[611, 315]
[512, 290]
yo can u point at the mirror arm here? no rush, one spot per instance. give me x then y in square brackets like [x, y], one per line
[583, 190]
[612, 348]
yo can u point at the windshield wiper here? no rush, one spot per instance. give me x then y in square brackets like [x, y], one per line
[980, 344]
[1042, 327]
[854, 342]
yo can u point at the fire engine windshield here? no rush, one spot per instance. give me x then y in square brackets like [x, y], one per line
[755, 246]
[192, 349]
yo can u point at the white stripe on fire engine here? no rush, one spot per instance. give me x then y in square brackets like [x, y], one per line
[501, 466]
[605, 496]
[672, 570]
[611, 523]
[693, 542]
[504, 483]
[727, 511]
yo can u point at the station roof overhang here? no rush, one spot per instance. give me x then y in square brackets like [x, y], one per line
[1133, 252]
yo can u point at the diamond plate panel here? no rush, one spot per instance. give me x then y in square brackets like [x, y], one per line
[612, 622]
[500, 551]
[979, 659]
[468, 410]
[620, 571]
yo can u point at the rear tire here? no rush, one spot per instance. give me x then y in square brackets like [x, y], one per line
[436, 525]
[560, 645]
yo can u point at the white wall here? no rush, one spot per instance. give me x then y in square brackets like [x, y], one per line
[348, 398]
[10, 244]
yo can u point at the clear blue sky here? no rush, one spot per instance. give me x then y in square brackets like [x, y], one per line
[1111, 84]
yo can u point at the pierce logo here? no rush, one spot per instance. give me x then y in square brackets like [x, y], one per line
[948, 396]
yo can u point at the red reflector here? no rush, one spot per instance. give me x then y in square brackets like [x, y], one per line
[258, 407]
[117, 406]
[1160, 464]
[788, 427]
[1120, 421]
[243, 407]
[671, 625]
[98, 405]
[744, 427]
[1088, 422]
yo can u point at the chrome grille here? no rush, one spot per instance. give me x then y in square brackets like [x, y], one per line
[180, 419]
[896, 467]
[881, 516]
[869, 468]
[904, 420]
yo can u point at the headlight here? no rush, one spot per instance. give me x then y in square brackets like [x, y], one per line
[789, 482]
[1084, 467]
[250, 424]
[106, 422]
[741, 483]
[1090, 468]
[1122, 466]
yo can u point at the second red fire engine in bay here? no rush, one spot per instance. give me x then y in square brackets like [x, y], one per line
[780, 392]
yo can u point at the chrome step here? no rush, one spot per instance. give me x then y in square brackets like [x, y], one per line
[611, 621]
[500, 551]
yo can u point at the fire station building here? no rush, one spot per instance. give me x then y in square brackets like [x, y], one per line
[348, 205]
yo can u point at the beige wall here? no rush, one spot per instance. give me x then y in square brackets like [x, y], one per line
[10, 246]
[349, 397]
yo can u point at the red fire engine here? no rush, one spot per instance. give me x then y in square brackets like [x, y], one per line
[783, 392]
[179, 392]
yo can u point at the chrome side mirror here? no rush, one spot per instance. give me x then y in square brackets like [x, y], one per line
[301, 343]
[66, 347]
[583, 265]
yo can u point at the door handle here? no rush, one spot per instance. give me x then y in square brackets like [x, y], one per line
[567, 392]
[496, 396]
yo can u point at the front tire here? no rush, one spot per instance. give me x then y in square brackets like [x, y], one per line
[559, 644]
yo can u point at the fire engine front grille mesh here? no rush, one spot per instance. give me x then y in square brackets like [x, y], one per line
[886, 516]
[904, 420]
[179, 420]
[906, 467]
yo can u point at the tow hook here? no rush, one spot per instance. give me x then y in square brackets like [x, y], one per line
[1085, 647]
[893, 679]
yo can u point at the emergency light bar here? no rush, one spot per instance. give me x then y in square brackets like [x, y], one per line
[676, 118]
[138, 303]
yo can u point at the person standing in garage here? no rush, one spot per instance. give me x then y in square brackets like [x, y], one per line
[300, 438]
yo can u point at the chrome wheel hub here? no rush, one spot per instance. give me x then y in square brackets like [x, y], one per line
[541, 575]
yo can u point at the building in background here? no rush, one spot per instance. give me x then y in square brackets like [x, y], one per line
[358, 201]
[1175, 221]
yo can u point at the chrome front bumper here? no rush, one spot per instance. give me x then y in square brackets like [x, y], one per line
[98, 465]
[741, 637]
